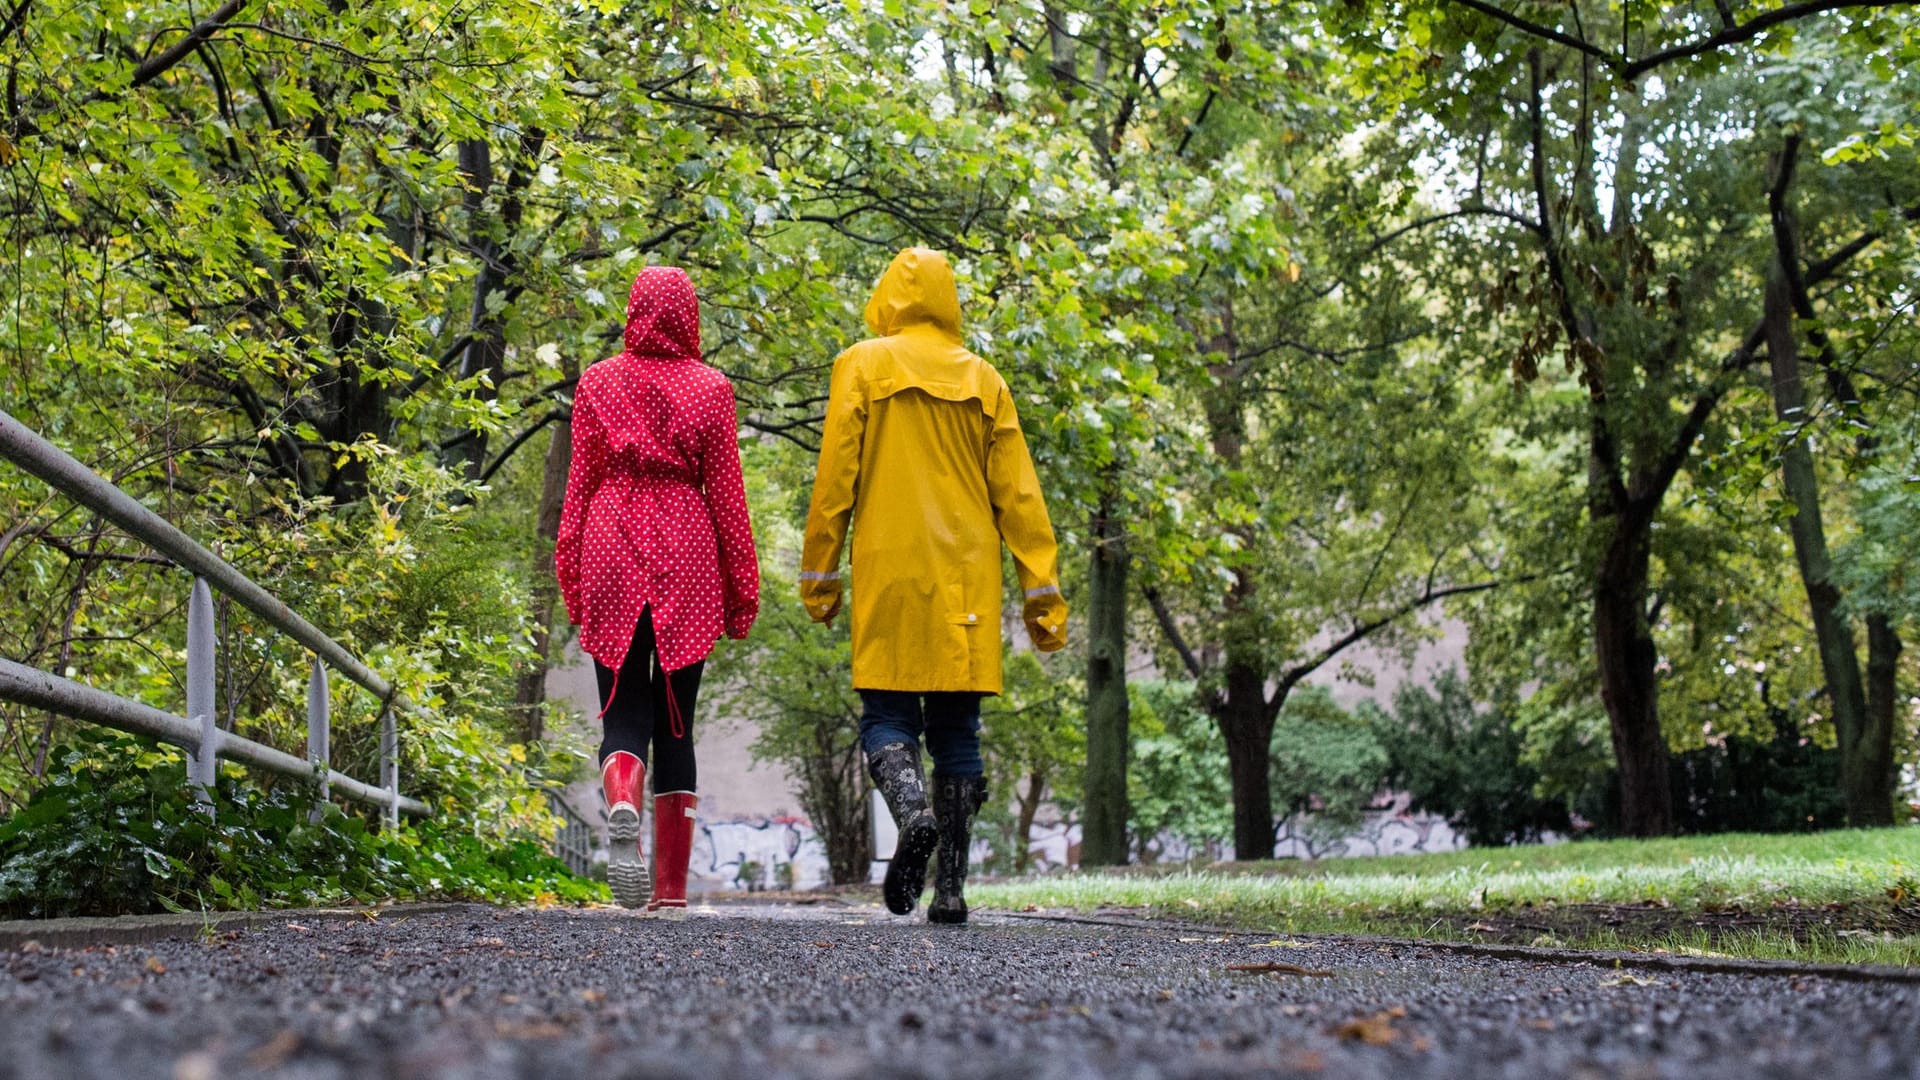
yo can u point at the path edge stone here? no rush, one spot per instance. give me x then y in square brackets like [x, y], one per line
[80, 933]
[1680, 964]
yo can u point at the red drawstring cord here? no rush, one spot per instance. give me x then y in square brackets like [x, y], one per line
[674, 718]
[615, 689]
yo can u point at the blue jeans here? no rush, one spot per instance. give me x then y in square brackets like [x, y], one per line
[950, 721]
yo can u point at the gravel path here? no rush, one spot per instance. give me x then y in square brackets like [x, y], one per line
[476, 994]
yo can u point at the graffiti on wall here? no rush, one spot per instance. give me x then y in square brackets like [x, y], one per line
[756, 854]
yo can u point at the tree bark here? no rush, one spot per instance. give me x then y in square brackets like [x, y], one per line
[1833, 631]
[1104, 830]
[1247, 727]
[530, 695]
[1876, 736]
[1862, 715]
[1023, 828]
[1629, 685]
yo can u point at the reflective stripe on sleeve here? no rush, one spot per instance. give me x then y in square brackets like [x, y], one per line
[819, 575]
[1044, 590]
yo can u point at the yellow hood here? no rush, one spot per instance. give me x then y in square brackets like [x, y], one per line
[917, 288]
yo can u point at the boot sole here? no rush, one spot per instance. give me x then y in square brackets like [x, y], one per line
[907, 871]
[626, 871]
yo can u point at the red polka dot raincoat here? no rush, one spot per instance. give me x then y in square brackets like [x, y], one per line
[656, 513]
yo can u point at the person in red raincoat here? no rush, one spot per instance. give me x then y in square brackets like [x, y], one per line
[656, 560]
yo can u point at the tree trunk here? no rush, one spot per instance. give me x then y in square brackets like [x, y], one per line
[1876, 738]
[1247, 727]
[530, 695]
[834, 794]
[1867, 801]
[1023, 828]
[1104, 830]
[1060, 45]
[1629, 687]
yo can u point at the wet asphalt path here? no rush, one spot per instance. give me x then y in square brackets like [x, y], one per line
[477, 994]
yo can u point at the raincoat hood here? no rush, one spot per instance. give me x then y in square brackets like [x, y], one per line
[663, 317]
[916, 289]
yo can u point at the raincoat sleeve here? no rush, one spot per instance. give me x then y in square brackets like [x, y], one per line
[726, 495]
[835, 484]
[588, 468]
[1020, 513]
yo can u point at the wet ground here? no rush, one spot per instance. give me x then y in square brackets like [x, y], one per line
[824, 991]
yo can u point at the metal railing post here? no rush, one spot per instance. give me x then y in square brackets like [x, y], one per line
[318, 733]
[390, 767]
[203, 765]
[198, 733]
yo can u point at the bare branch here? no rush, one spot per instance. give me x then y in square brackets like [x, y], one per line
[1292, 676]
[1172, 630]
[157, 66]
[1747, 31]
[519, 441]
[1535, 29]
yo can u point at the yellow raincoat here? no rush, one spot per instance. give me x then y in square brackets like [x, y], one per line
[923, 447]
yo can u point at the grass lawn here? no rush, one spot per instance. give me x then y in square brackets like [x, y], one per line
[1851, 895]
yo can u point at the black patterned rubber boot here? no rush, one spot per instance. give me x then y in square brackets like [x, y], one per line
[955, 800]
[895, 769]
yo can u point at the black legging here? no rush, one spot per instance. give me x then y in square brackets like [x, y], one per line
[639, 714]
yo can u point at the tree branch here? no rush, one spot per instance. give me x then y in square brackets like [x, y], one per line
[1292, 676]
[1193, 125]
[1740, 358]
[518, 441]
[1168, 627]
[1535, 29]
[1729, 34]
[1475, 210]
[15, 19]
[157, 66]
[1747, 31]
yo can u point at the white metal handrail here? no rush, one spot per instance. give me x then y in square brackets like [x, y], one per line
[198, 733]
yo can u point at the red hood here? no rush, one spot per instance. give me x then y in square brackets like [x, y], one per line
[663, 317]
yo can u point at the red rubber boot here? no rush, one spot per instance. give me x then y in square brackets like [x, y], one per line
[622, 777]
[672, 850]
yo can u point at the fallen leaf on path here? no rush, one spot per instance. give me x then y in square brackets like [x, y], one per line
[592, 997]
[1277, 943]
[1483, 928]
[545, 1029]
[1191, 902]
[1375, 1030]
[1280, 969]
[154, 965]
[1631, 980]
[297, 926]
[825, 945]
[275, 1051]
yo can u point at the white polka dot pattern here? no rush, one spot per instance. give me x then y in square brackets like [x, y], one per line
[656, 508]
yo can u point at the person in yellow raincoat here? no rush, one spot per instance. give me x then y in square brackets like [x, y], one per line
[923, 455]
